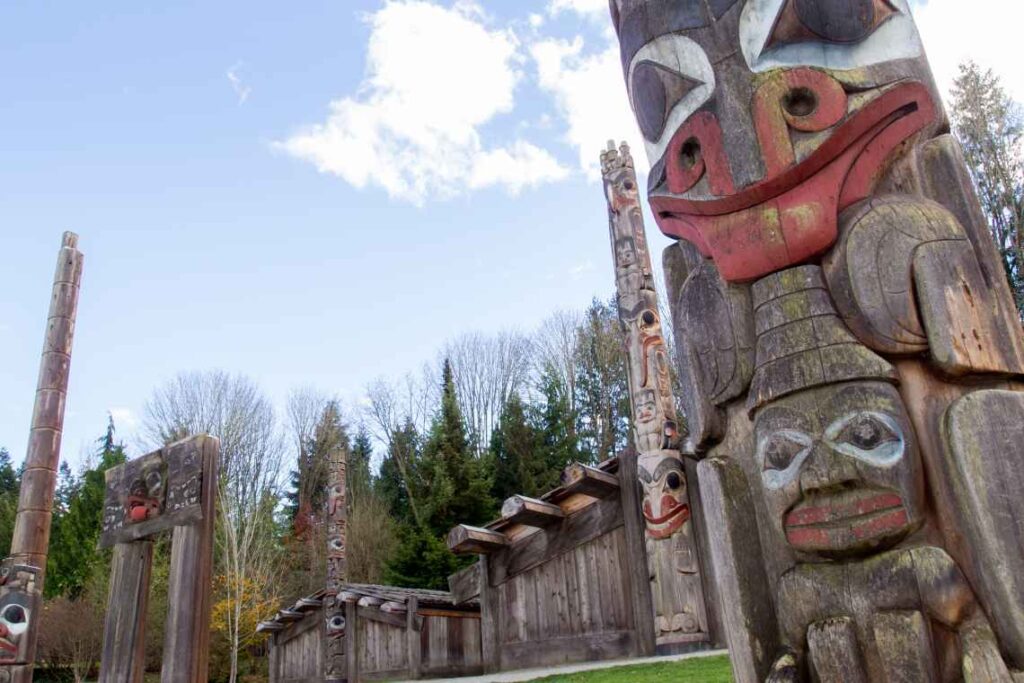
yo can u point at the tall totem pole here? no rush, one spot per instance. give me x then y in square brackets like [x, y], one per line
[851, 356]
[676, 589]
[337, 522]
[22, 573]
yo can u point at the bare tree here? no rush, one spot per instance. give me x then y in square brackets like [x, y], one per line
[556, 349]
[233, 409]
[306, 409]
[71, 635]
[487, 370]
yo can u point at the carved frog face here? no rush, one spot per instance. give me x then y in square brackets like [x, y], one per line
[840, 469]
[666, 505]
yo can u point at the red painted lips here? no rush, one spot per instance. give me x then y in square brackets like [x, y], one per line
[846, 521]
[677, 514]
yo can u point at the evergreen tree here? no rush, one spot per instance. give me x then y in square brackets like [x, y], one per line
[514, 450]
[10, 482]
[78, 520]
[421, 560]
[391, 484]
[602, 385]
[458, 490]
[555, 424]
[359, 479]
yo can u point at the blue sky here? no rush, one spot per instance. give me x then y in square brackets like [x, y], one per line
[314, 193]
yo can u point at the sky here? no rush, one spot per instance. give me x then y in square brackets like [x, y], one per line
[315, 193]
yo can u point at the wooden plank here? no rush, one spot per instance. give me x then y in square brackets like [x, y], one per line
[187, 628]
[579, 478]
[470, 540]
[448, 613]
[636, 574]
[376, 615]
[124, 631]
[556, 651]
[749, 616]
[352, 643]
[530, 511]
[576, 529]
[465, 585]
[311, 622]
[904, 646]
[412, 639]
[490, 635]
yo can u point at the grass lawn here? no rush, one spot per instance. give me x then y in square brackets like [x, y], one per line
[699, 670]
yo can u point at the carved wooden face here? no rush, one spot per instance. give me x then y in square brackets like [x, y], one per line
[840, 469]
[146, 494]
[758, 114]
[666, 505]
[19, 602]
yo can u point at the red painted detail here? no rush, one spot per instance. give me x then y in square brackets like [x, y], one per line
[772, 120]
[890, 521]
[704, 128]
[678, 514]
[792, 216]
[831, 513]
[139, 513]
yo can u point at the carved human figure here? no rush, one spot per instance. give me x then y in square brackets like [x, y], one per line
[675, 577]
[790, 134]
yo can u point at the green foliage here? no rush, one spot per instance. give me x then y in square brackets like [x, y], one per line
[514, 450]
[602, 385]
[556, 427]
[713, 669]
[421, 560]
[10, 481]
[458, 489]
[359, 478]
[78, 519]
[398, 473]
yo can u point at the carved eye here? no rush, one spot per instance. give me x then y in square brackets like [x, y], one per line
[783, 449]
[866, 432]
[656, 90]
[14, 614]
[834, 21]
[872, 437]
[674, 481]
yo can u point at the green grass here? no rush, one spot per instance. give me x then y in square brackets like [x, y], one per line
[699, 670]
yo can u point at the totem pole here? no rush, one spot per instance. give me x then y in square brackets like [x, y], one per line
[337, 520]
[22, 573]
[851, 355]
[671, 549]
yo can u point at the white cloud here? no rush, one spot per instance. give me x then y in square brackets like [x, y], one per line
[435, 76]
[241, 89]
[987, 31]
[586, 7]
[124, 418]
[589, 95]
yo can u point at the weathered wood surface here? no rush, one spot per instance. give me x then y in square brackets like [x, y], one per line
[590, 481]
[835, 653]
[300, 656]
[164, 487]
[413, 644]
[468, 540]
[743, 588]
[352, 638]
[490, 618]
[636, 569]
[905, 646]
[124, 641]
[531, 512]
[465, 584]
[187, 629]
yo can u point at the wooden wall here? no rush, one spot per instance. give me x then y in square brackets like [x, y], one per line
[297, 654]
[562, 593]
[450, 646]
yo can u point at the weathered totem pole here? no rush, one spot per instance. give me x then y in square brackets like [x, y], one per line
[337, 521]
[22, 573]
[676, 588]
[851, 355]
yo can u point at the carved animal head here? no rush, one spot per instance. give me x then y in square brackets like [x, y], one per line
[840, 469]
[666, 505]
[763, 118]
[146, 493]
[19, 602]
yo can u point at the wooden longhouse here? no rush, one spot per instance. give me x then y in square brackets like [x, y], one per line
[564, 578]
[395, 633]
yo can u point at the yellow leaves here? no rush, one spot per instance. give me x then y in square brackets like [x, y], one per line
[243, 599]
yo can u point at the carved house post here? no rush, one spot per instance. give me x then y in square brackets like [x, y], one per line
[851, 356]
[340, 631]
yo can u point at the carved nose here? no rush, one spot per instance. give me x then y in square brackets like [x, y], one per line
[826, 469]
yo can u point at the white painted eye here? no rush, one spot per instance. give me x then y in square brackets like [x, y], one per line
[15, 618]
[669, 79]
[781, 455]
[896, 38]
[874, 438]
